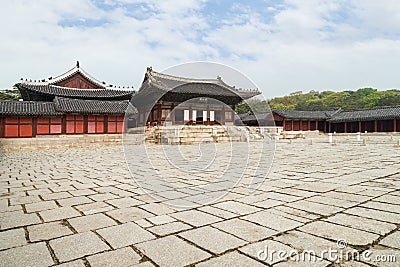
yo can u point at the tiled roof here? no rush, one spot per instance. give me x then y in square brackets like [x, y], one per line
[48, 92]
[69, 105]
[368, 114]
[62, 106]
[27, 108]
[75, 70]
[305, 115]
[248, 116]
[157, 84]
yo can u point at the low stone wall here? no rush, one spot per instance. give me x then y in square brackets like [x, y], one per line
[165, 135]
[300, 134]
[59, 141]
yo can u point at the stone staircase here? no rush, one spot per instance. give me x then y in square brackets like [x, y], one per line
[207, 134]
[193, 134]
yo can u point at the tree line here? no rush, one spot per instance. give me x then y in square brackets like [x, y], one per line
[364, 98]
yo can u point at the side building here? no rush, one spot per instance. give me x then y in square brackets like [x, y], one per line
[328, 121]
[71, 103]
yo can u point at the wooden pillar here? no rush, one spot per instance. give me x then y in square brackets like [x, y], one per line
[172, 114]
[159, 114]
[223, 115]
[330, 127]
[394, 125]
[284, 126]
[345, 126]
[309, 125]
[2, 127]
[64, 124]
[190, 115]
[376, 126]
[316, 125]
[34, 127]
[359, 127]
[106, 124]
[85, 124]
[292, 126]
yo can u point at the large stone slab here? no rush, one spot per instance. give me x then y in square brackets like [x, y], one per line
[122, 257]
[219, 243]
[47, 231]
[245, 230]
[12, 238]
[172, 251]
[125, 234]
[30, 255]
[91, 222]
[195, 217]
[76, 246]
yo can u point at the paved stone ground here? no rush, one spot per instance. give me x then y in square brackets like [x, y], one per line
[81, 207]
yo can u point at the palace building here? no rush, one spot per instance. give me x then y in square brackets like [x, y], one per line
[169, 100]
[72, 103]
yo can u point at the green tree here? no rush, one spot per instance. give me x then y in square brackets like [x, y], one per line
[253, 105]
[335, 100]
[389, 98]
[9, 94]
[285, 102]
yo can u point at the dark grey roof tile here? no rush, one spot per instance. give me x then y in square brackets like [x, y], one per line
[367, 114]
[48, 92]
[28, 108]
[69, 105]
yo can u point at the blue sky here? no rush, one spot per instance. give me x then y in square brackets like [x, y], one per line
[282, 45]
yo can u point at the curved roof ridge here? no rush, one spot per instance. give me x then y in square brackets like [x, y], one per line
[153, 73]
[34, 85]
[389, 107]
[76, 69]
[28, 90]
[218, 80]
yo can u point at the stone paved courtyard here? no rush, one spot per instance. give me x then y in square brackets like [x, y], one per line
[81, 207]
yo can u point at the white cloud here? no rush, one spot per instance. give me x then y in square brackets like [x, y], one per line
[286, 46]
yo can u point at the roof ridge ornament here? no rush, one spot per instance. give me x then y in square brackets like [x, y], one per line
[77, 64]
